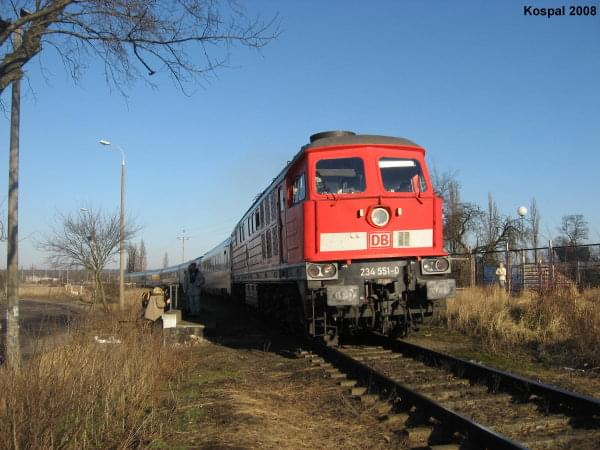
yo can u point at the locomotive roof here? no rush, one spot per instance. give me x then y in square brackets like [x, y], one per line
[358, 139]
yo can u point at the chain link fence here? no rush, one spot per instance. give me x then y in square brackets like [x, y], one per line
[538, 269]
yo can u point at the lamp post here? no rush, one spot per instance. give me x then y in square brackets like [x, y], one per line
[121, 226]
[522, 212]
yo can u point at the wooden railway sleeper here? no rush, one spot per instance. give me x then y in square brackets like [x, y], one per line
[445, 384]
[450, 394]
[476, 401]
[535, 424]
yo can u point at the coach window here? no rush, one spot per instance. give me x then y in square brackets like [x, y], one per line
[340, 176]
[402, 175]
[299, 189]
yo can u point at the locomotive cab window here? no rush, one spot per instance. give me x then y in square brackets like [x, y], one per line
[340, 176]
[299, 189]
[402, 175]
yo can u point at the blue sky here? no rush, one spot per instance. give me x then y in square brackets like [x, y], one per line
[511, 103]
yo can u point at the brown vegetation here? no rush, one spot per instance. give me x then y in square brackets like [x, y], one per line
[79, 292]
[564, 324]
[98, 391]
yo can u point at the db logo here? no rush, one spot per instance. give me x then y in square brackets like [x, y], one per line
[380, 239]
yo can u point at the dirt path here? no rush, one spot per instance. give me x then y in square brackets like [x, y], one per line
[43, 324]
[241, 390]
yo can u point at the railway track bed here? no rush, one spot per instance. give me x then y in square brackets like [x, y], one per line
[438, 400]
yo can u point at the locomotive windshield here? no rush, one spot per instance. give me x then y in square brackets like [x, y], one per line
[401, 175]
[340, 176]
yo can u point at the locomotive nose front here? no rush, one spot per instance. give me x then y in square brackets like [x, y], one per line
[371, 205]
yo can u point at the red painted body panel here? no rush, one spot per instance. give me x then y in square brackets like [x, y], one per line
[340, 213]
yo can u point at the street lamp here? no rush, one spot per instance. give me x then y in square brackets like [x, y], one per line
[121, 226]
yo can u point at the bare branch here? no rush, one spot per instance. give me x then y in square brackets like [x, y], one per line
[186, 39]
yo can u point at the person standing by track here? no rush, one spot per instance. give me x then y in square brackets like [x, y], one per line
[192, 285]
[501, 276]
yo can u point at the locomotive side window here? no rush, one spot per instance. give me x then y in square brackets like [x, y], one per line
[340, 176]
[402, 175]
[281, 199]
[299, 189]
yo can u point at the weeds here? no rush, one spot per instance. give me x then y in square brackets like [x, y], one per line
[564, 323]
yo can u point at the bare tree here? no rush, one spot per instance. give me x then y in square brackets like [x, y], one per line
[534, 221]
[165, 260]
[187, 39]
[495, 229]
[132, 256]
[460, 218]
[574, 230]
[89, 240]
[143, 257]
[442, 181]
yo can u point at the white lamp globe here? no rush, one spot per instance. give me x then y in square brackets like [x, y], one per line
[522, 211]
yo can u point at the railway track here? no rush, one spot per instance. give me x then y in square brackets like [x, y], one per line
[437, 400]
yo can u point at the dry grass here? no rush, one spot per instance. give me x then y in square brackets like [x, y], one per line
[86, 394]
[81, 293]
[51, 292]
[564, 323]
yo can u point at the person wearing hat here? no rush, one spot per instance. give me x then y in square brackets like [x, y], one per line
[156, 305]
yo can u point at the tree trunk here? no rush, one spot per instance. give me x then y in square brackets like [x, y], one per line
[100, 289]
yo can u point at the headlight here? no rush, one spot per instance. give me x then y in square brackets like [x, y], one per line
[435, 265]
[321, 270]
[380, 217]
[442, 265]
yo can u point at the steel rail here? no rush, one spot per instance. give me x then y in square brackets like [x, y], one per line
[501, 379]
[390, 389]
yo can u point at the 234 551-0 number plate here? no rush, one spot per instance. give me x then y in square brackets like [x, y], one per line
[380, 271]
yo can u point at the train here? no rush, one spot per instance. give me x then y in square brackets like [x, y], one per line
[347, 237]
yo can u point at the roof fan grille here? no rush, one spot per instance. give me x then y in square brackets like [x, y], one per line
[330, 134]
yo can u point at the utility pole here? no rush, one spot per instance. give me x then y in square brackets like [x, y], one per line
[13, 348]
[183, 238]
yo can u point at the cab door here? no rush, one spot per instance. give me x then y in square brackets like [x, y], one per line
[281, 207]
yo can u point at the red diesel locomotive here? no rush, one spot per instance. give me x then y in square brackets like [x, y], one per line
[347, 237]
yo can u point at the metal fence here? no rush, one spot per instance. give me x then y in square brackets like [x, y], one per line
[539, 269]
